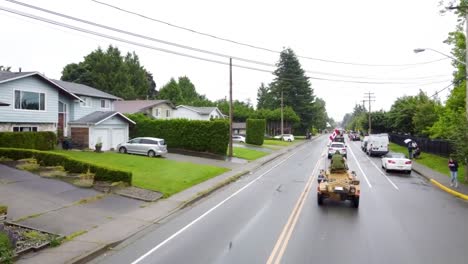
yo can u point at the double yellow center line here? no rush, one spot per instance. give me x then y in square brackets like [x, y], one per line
[283, 240]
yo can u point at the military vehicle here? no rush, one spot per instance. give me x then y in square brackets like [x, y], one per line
[338, 183]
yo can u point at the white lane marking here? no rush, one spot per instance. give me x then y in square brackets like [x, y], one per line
[394, 185]
[359, 166]
[207, 212]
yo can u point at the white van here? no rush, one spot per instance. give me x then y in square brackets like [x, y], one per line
[377, 145]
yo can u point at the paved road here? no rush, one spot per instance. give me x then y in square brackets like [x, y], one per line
[268, 218]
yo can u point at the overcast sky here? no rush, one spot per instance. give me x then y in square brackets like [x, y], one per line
[361, 31]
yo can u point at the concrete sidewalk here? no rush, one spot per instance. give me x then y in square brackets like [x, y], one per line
[99, 238]
[441, 181]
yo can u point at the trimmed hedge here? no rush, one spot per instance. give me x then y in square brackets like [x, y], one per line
[28, 140]
[69, 164]
[196, 135]
[255, 131]
[3, 209]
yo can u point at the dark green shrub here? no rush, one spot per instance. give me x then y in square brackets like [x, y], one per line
[28, 140]
[255, 131]
[196, 135]
[69, 164]
[6, 249]
[3, 209]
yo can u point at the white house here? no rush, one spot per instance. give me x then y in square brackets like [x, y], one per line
[37, 103]
[159, 109]
[197, 113]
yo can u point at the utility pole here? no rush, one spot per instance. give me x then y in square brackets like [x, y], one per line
[230, 108]
[369, 97]
[282, 126]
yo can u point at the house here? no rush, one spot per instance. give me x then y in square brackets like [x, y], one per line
[197, 113]
[37, 103]
[239, 128]
[159, 109]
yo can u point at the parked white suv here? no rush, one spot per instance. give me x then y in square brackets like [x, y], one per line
[337, 146]
[144, 146]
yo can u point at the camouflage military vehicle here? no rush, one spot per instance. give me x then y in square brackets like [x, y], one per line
[338, 183]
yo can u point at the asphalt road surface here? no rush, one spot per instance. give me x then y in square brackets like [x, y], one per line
[272, 216]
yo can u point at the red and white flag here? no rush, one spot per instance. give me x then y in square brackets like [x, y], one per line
[335, 133]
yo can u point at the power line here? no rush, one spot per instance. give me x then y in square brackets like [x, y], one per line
[250, 45]
[171, 51]
[183, 46]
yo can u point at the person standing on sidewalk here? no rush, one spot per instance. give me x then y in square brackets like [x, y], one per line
[410, 150]
[453, 167]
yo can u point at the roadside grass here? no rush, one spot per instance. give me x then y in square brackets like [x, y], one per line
[435, 162]
[248, 154]
[157, 174]
[276, 142]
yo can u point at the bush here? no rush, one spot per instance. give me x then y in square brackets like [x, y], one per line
[45, 158]
[3, 209]
[28, 140]
[196, 135]
[255, 131]
[6, 248]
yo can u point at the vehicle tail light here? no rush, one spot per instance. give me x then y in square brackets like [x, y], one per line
[343, 149]
[330, 149]
[391, 161]
[408, 162]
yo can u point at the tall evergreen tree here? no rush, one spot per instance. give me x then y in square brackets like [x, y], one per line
[264, 98]
[171, 91]
[294, 85]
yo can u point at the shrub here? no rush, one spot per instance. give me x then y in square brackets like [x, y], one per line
[6, 248]
[45, 158]
[3, 209]
[196, 135]
[255, 131]
[28, 140]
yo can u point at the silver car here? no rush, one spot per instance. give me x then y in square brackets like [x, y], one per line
[144, 146]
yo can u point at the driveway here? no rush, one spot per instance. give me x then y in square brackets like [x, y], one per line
[57, 206]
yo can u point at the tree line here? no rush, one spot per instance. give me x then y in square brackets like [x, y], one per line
[123, 76]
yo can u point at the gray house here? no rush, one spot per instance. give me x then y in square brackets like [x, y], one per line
[37, 103]
[159, 109]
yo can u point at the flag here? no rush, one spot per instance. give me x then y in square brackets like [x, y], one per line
[335, 133]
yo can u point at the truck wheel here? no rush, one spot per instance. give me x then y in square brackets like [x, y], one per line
[356, 202]
[319, 199]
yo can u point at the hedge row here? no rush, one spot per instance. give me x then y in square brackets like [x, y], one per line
[196, 135]
[255, 131]
[28, 140]
[69, 164]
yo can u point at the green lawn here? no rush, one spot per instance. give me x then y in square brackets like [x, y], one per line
[276, 142]
[158, 174]
[248, 154]
[432, 161]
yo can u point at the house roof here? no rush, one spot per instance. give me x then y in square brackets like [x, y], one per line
[11, 76]
[201, 110]
[95, 118]
[82, 89]
[135, 106]
[4, 104]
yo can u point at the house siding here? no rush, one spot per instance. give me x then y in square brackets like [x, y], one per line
[9, 114]
[80, 110]
[162, 110]
[188, 114]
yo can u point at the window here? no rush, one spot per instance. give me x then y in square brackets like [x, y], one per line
[86, 102]
[105, 103]
[29, 100]
[157, 112]
[24, 129]
[168, 113]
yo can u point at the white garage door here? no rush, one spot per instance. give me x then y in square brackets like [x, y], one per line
[101, 135]
[118, 136]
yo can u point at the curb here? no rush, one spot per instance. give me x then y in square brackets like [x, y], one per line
[442, 187]
[452, 192]
[84, 258]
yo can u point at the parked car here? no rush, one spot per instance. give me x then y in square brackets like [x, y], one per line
[337, 146]
[396, 161]
[285, 137]
[144, 146]
[238, 138]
